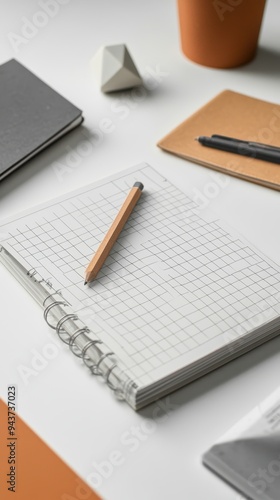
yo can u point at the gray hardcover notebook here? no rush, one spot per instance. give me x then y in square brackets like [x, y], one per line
[32, 116]
[248, 456]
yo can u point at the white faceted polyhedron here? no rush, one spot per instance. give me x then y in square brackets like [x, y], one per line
[114, 68]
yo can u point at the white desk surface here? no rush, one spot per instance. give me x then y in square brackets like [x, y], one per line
[73, 412]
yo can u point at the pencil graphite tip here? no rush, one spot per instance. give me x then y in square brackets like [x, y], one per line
[196, 138]
[85, 283]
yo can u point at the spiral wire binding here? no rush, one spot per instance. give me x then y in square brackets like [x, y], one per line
[58, 292]
[60, 332]
[74, 348]
[70, 340]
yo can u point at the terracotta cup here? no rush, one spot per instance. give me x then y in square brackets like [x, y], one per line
[220, 33]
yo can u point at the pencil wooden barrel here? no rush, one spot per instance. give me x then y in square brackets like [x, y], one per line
[220, 34]
[112, 235]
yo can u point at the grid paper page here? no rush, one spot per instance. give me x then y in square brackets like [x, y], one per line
[175, 287]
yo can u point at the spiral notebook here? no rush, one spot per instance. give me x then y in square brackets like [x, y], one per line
[178, 296]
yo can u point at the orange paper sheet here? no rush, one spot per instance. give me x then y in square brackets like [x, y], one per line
[30, 470]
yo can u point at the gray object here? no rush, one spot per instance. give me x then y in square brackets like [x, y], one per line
[114, 68]
[32, 116]
[248, 457]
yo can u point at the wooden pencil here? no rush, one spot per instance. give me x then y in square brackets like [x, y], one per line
[112, 235]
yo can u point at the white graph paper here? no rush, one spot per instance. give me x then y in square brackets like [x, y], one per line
[176, 287]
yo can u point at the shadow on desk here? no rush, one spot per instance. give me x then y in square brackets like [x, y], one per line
[124, 101]
[216, 378]
[266, 62]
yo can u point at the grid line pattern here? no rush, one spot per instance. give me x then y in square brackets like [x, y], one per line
[173, 281]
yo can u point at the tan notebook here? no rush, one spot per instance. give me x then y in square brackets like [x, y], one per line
[233, 115]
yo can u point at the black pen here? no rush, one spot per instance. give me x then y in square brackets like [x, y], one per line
[244, 148]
